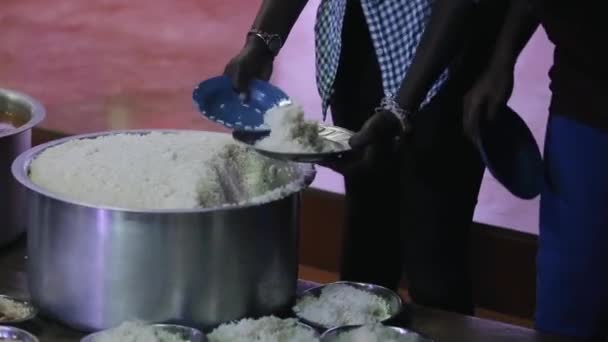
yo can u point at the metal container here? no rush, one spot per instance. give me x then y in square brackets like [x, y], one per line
[396, 334]
[28, 112]
[94, 267]
[15, 334]
[185, 333]
[394, 301]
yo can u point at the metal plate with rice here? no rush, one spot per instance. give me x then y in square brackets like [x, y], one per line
[259, 329]
[395, 304]
[336, 137]
[396, 334]
[184, 332]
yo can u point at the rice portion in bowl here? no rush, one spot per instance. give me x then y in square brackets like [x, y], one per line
[374, 333]
[266, 329]
[162, 170]
[340, 305]
[137, 332]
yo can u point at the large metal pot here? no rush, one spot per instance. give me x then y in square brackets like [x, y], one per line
[92, 267]
[27, 112]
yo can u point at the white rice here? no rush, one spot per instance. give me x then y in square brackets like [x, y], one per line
[291, 133]
[266, 329]
[340, 305]
[11, 310]
[184, 170]
[373, 333]
[137, 332]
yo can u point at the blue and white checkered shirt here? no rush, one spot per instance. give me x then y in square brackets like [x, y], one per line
[395, 26]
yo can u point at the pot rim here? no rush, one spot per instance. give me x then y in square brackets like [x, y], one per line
[21, 165]
[37, 111]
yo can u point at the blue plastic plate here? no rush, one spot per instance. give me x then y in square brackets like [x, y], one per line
[217, 100]
[511, 154]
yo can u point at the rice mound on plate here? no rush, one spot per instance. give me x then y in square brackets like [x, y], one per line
[137, 332]
[341, 304]
[163, 170]
[265, 329]
[373, 333]
[12, 310]
[291, 133]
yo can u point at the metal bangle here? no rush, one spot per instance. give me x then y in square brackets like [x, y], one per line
[268, 39]
[389, 104]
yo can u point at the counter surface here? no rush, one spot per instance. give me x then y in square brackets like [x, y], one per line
[440, 325]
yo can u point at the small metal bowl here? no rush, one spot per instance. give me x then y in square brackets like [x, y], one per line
[298, 323]
[187, 333]
[15, 334]
[398, 334]
[31, 309]
[393, 299]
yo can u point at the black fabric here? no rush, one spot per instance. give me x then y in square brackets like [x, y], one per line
[371, 249]
[579, 75]
[411, 211]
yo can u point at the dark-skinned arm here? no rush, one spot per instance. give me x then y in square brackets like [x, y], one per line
[278, 16]
[439, 44]
[490, 93]
[444, 37]
[441, 41]
[444, 34]
[275, 17]
[520, 24]
[255, 59]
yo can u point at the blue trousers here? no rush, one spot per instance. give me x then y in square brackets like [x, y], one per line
[572, 284]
